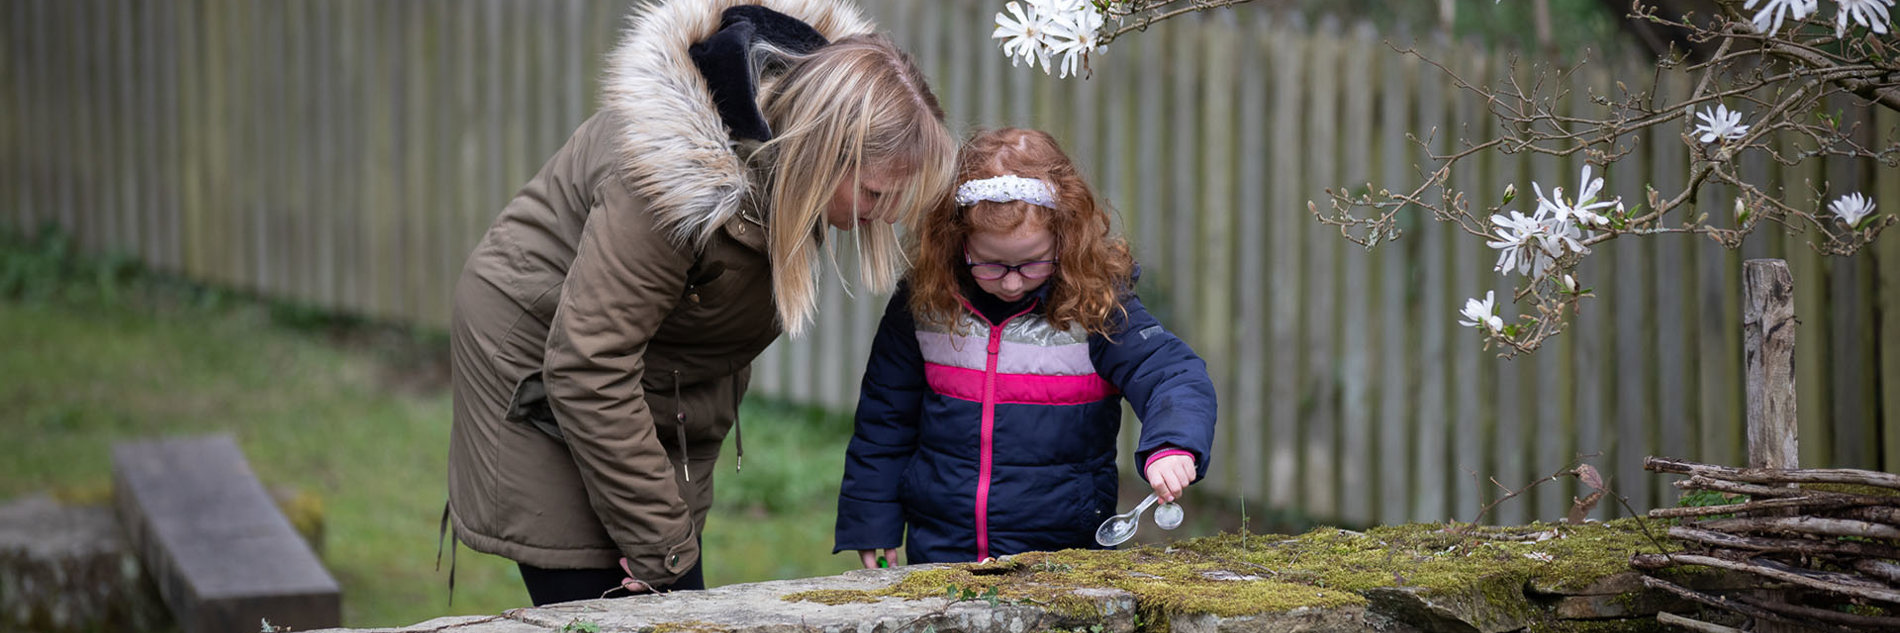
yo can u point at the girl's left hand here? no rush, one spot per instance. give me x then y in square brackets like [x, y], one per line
[1169, 475]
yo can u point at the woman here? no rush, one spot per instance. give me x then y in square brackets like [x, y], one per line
[604, 326]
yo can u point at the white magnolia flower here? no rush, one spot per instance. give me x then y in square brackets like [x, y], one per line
[1076, 31]
[1531, 245]
[1869, 13]
[1852, 208]
[1520, 243]
[1584, 209]
[1026, 35]
[1719, 124]
[1540, 556]
[1768, 19]
[1481, 313]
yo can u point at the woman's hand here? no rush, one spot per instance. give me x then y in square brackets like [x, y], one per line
[631, 584]
[869, 557]
[1169, 475]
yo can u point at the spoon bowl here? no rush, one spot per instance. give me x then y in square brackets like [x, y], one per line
[1168, 516]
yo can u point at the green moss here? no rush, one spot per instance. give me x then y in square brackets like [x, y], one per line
[1235, 574]
[1854, 489]
[832, 597]
[688, 626]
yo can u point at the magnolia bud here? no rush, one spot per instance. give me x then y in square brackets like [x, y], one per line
[1570, 284]
[1510, 192]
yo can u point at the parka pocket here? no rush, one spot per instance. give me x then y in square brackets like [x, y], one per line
[529, 405]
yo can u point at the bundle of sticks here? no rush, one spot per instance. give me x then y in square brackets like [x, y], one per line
[1830, 554]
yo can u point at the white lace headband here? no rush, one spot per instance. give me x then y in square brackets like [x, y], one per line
[1007, 189]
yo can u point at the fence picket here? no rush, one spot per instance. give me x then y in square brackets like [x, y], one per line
[1432, 475]
[1886, 187]
[1215, 242]
[1355, 320]
[1847, 308]
[1672, 255]
[1397, 294]
[1244, 403]
[1471, 366]
[1319, 421]
[1284, 228]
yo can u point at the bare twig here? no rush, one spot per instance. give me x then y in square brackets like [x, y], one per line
[1725, 603]
[1836, 583]
[1698, 626]
[1803, 546]
[1775, 476]
[1804, 525]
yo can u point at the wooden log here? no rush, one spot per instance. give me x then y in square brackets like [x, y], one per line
[1768, 360]
[1835, 583]
[1730, 604]
[1809, 547]
[1699, 626]
[1765, 475]
[1705, 483]
[1860, 622]
[1881, 514]
[1804, 525]
[1805, 503]
[1888, 572]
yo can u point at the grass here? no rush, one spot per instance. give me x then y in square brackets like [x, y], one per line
[355, 413]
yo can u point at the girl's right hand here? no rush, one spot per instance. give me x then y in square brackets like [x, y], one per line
[869, 557]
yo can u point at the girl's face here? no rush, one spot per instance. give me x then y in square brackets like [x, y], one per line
[855, 200]
[1028, 242]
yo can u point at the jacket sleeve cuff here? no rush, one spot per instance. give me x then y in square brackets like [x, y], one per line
[1160, 454]
[659, 565]
[868, 525]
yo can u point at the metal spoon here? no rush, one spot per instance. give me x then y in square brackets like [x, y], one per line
[1121, 527]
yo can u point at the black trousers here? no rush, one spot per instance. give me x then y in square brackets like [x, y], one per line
[548, 586]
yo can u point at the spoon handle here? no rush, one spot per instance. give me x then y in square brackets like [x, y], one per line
[1143, 507]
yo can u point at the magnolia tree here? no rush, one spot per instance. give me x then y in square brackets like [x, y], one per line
[1775, 67]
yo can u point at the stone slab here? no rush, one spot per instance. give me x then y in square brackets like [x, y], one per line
[224, 557]
[68, 569]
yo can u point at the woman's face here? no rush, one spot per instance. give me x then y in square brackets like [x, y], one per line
[1030, 241]
[853, 203]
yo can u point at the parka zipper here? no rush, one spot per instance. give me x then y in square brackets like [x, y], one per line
[987, 439]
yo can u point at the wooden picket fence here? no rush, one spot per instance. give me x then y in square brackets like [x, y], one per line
[348, 153]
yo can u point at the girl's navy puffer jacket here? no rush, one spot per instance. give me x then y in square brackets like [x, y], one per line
[999, 437]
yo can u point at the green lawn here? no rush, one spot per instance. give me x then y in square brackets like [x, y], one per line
[355, 414]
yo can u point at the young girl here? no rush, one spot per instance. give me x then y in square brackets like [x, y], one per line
[987, 420]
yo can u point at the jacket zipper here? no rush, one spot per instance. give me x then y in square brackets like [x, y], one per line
[987, 438]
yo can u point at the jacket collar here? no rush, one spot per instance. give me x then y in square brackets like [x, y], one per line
[675, 151]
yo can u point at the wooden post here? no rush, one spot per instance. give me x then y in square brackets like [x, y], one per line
[1768, 358]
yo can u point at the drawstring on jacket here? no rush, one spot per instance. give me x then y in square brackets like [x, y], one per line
[738, 439]
[679, 415]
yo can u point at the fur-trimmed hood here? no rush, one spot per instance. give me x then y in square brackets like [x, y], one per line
[675, 151]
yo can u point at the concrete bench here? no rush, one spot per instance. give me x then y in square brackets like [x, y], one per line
[224, 557]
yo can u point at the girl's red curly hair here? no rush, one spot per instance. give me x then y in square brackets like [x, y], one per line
[1093, 266]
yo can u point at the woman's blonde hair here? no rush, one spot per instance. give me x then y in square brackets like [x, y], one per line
[1094, 268]
[858, 103]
